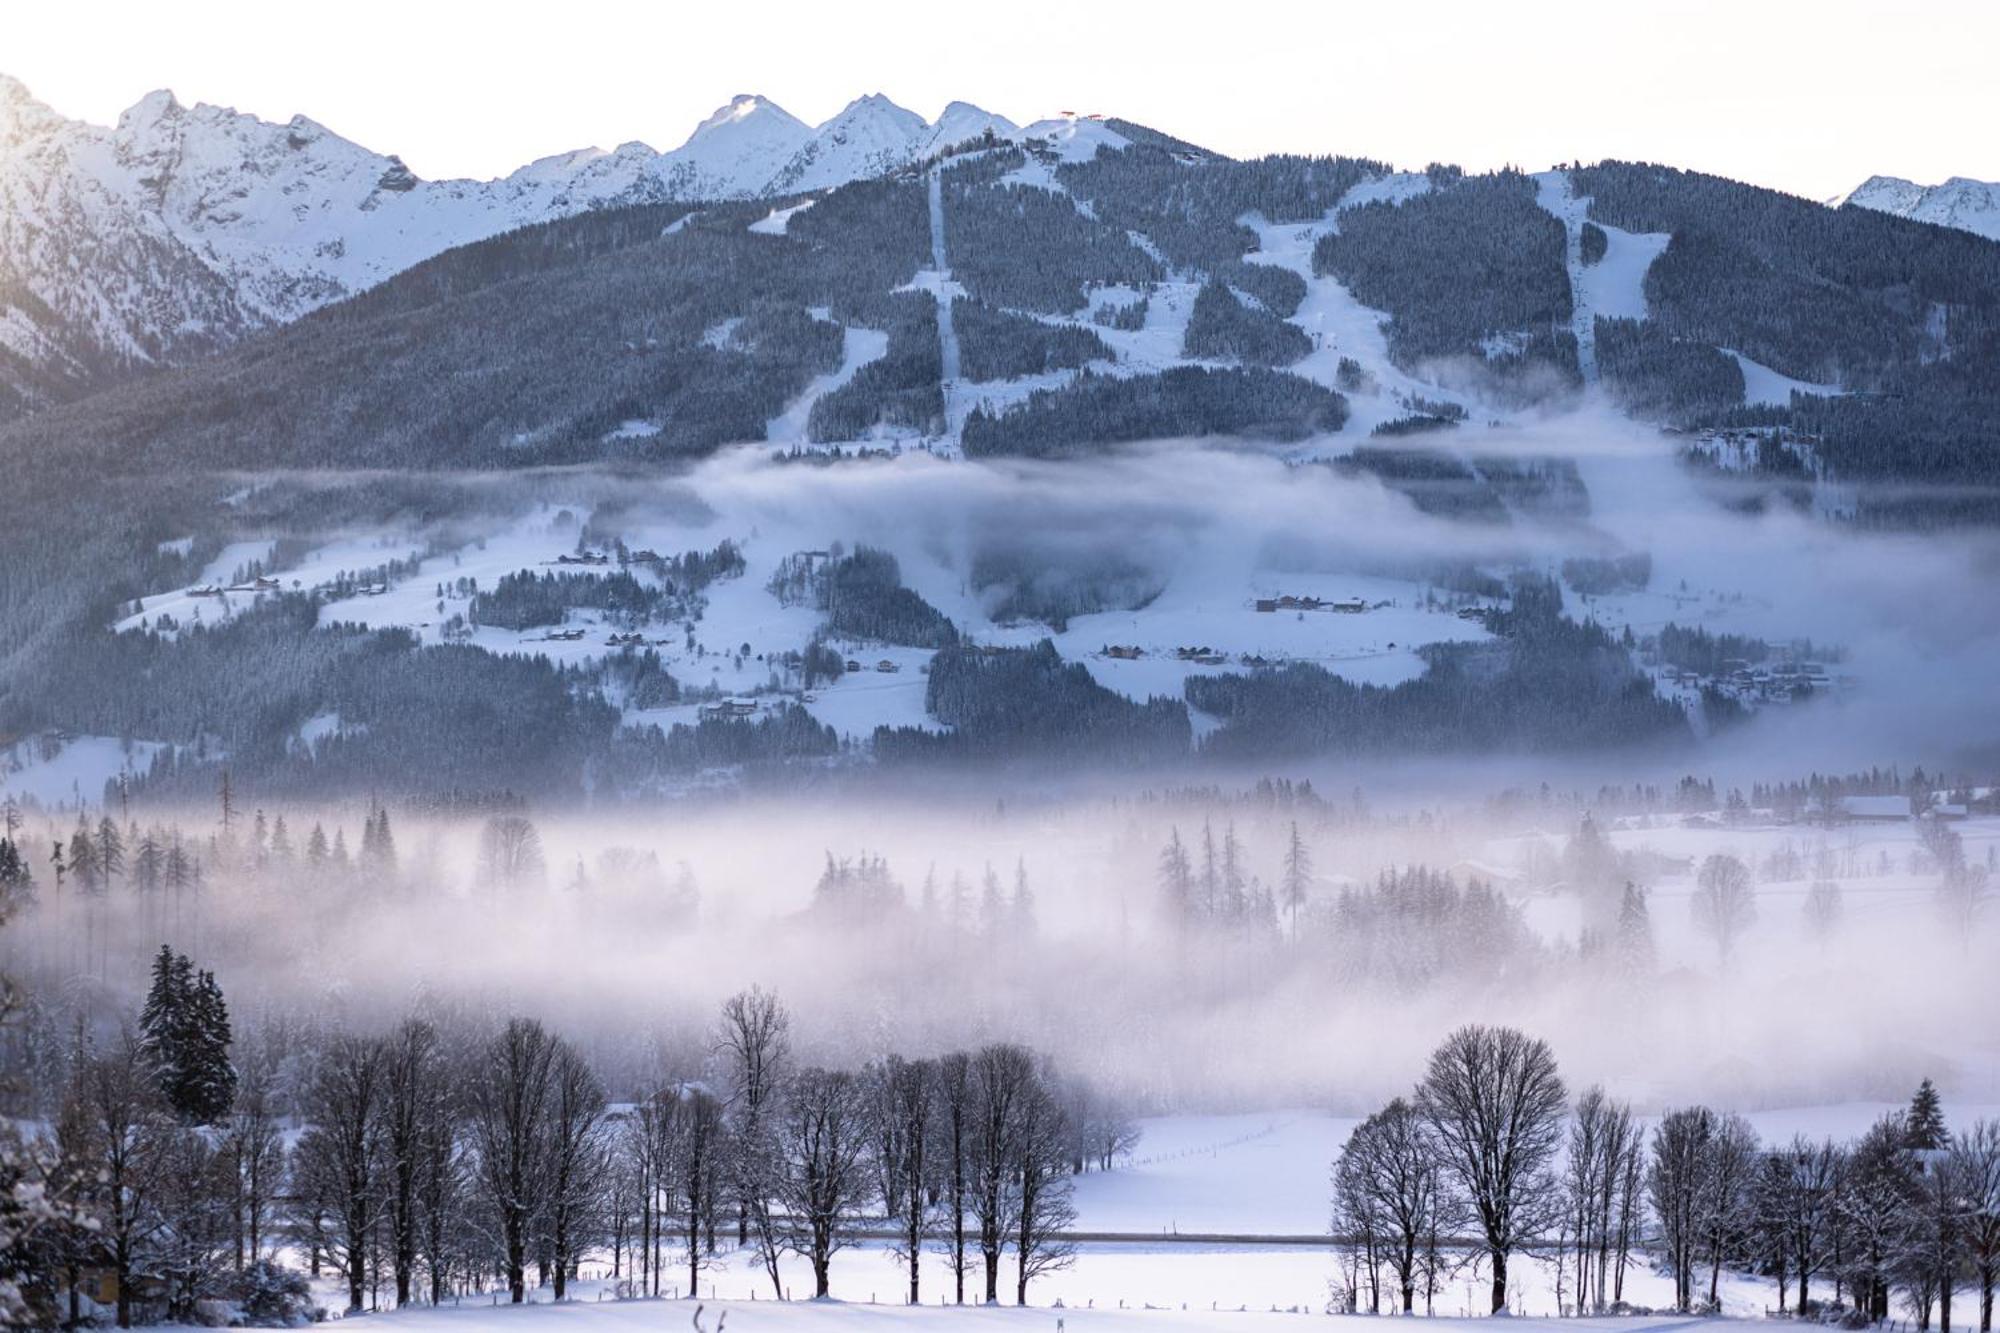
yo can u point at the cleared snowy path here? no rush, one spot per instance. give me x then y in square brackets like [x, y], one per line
[1555, 194]
[947, 336]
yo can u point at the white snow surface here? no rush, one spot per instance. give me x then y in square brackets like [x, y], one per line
[181, 228]
[777, 220]
[1961, 202]
[1761, 384]
[1075, 138]
[1116, 1289]
[69, 771]
[1615, 286]
[1338, 324]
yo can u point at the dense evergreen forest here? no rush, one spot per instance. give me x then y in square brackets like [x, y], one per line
[1095, 411]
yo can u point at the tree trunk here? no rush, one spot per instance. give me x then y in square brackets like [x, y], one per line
[124, 1266]
[517, 1264]
[694, 1254]
[1499, 1258]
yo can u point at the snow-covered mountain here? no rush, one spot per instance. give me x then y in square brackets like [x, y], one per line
[1966, 204]
[183, 228]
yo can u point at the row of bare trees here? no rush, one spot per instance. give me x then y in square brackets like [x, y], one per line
[1488, 1160]
[967, 1153]
[430, 1160]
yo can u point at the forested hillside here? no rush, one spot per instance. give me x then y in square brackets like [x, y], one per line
[358, 550]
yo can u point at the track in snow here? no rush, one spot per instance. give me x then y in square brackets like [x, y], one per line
[947, 336]
[1555, 194]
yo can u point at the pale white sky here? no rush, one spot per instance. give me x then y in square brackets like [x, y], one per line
[1806, 95]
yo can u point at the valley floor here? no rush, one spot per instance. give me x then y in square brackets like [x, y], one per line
[588, 1316]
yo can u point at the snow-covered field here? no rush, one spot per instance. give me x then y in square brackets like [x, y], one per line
[849, 1316]
[68, 771]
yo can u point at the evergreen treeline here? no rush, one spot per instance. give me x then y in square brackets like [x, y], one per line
[789, 734]
[1188, 203]
[1592, 244]
[1436, 482]
[1824, 295]
[1659, 377]
[1548, 684]
[1022, 703]
[900, 390]
[1052, 581]
[1279, 290]
[864, 598]
[526, 600]
[1457, 267]
[999, 345]
[1596, 576]
[1706, 652]
[1933, 423]
[1093, 411]
[1223, 328]
[1026, 248]
[412, 716]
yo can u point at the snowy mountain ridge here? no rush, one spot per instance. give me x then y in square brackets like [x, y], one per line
[183, 228]
[1968, 205]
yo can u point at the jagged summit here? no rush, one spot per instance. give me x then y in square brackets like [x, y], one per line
[182, 227]
[1961, 202]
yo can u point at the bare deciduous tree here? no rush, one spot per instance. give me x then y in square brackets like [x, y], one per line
[955, 1108]
[412, 1093]
[1976, 1154]
[822, 1134]
[343, 1153]
[510, 1098]
[1495, 1101]
[754, 1041]
[1724, 902]
[701, 1148]
[257, 1152]
[910, 1105]
[1043, 1213]
[1392, 1188]
[575, 1161]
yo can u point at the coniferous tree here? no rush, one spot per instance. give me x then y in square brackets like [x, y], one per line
[110, 851]
[185, 1039]
[1176, 881]
[1635, 931]
[1925, 1119]
[1298, 877]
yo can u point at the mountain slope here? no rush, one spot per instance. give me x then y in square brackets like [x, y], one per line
[1966, 204]
[182, 229]
[665, 330]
